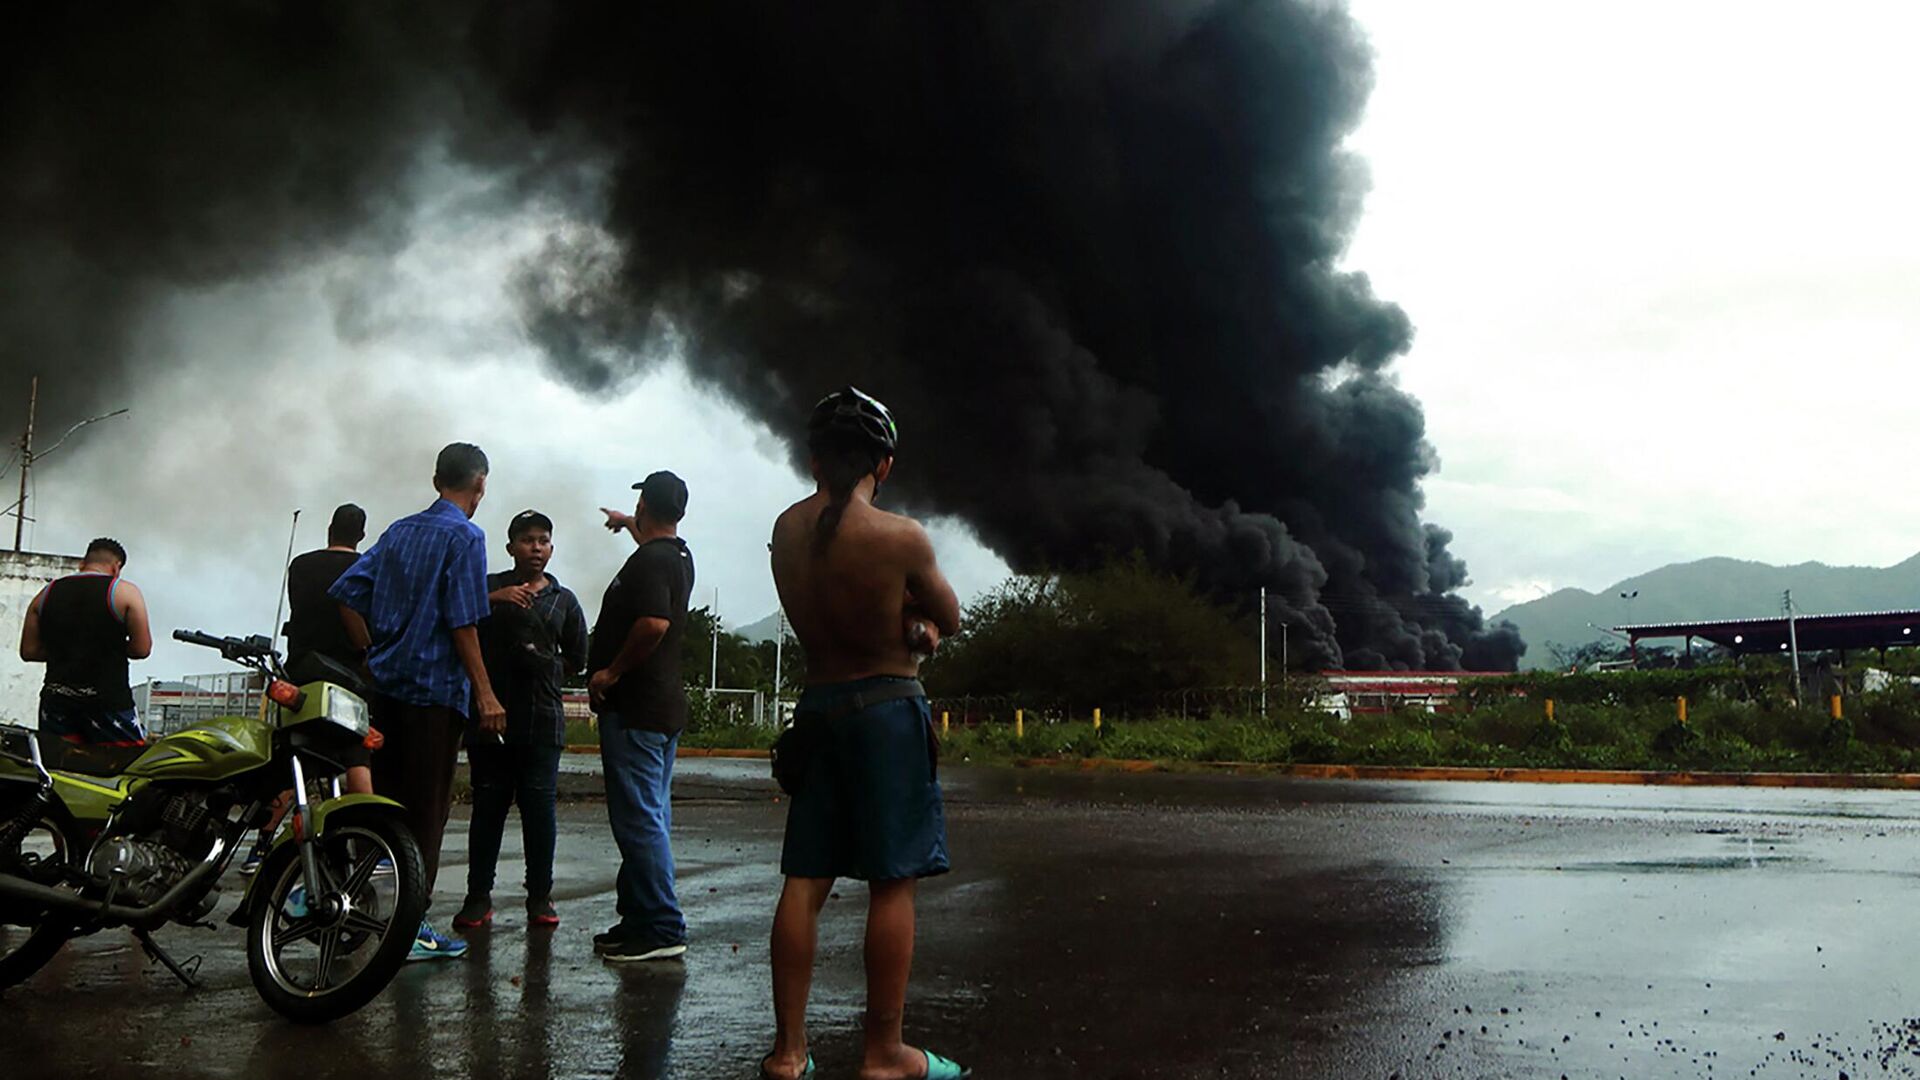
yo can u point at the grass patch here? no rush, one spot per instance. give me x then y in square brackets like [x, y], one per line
[1720, 737]
[1723, 734]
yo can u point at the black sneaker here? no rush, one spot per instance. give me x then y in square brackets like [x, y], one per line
[634, 949]
[474, 914]
[540, 911]
[614, 936]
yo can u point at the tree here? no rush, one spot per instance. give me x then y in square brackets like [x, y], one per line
[1121, 633]
[744, 665]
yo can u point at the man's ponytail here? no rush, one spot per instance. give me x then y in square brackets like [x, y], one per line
[841, 470]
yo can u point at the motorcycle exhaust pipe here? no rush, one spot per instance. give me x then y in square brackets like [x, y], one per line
[19, 888]
[15, 888]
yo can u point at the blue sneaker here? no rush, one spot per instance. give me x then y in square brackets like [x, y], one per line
[429, 944]
[296, 905]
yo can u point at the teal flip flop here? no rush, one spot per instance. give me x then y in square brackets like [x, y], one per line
[765, 1075]
[939, 1068]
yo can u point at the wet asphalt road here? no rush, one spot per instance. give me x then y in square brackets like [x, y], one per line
[1146, 926]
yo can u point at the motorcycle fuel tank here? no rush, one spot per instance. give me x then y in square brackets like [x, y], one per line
[213, 750]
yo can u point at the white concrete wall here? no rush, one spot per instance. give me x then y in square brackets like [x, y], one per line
[22, 575]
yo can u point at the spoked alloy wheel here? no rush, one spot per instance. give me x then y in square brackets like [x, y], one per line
[320, 951]
[30, 935]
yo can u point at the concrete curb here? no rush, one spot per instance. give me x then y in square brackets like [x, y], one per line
[1675, 778]
[1640, 777]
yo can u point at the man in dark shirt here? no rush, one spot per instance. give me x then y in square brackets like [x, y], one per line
[534, 638]
[419, 595]
[85, 627]
[315, 625]
[637, 692]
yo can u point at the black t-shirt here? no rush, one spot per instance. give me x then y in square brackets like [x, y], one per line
[529, 653]
[655, 583]
[313, 617]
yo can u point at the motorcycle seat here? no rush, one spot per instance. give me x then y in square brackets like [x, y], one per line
[81, 759]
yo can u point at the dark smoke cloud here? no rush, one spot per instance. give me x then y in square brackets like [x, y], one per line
[1088, 251]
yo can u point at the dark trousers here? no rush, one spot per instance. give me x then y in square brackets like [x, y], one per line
[504, 775]
[638, 766]
[415, 768]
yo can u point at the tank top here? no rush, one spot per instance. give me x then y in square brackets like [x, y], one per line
[86, 644]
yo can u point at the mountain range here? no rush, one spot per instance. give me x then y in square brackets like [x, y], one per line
[1715, 588]
[762, 630]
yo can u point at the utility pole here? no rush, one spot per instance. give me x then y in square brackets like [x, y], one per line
[715, 683]
[779, 640]
[1793, 641]
[1263, 652]
[26, 463]
[28, 457]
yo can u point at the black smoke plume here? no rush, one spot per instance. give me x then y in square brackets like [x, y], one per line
[1089, 252]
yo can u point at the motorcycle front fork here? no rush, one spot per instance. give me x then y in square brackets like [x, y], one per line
[303, 832]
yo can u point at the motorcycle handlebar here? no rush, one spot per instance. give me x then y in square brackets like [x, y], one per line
[238, 649]
[195, 637]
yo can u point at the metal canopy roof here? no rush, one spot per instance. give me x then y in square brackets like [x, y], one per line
[1857, 630]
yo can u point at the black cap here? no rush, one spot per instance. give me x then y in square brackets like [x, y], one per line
[665, 495]
[529, 519]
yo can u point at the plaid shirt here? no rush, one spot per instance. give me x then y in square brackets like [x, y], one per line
[426, 578]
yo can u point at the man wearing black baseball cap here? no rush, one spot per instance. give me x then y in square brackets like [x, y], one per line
[533, 637]
[637, 692]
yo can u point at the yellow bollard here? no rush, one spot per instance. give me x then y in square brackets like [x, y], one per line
[945, 728]
[1019, 723]
[1835, 705]
[1680, 707]
[1549, 710]
[1096, 721]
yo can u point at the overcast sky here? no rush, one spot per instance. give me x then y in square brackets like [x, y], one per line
[1662, 261]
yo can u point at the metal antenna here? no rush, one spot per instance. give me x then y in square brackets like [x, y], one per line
[286, 572]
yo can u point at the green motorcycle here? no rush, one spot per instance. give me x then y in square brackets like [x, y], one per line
[93, 838]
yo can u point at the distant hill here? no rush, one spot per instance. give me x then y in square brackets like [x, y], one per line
[760, 631]
[1715, 588]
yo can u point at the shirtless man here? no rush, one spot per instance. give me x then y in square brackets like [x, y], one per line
[867, 602]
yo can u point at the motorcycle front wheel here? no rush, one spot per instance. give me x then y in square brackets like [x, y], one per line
[318, 951]
[31, 934]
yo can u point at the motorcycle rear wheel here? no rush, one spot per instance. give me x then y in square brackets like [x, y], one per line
[370, 939]
[31, 936]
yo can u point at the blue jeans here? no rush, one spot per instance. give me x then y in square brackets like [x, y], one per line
[502, 777]
[639, 774]
[99, 727]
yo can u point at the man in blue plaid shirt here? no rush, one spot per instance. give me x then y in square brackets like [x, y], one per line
[414, 601]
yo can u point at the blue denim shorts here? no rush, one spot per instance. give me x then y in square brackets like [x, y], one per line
[100, 727]
[869, 805]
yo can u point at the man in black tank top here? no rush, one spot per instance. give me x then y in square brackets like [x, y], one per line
[85, 627]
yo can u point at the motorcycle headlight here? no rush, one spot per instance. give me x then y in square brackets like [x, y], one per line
[348, 710]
